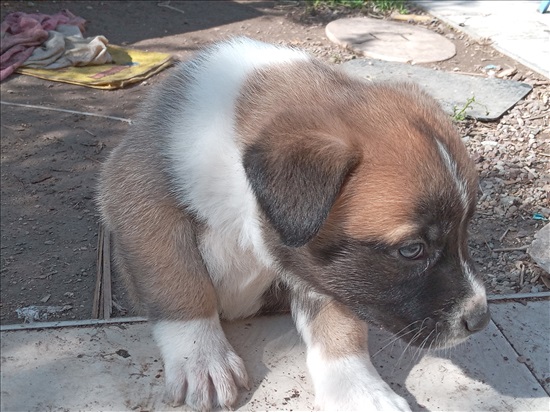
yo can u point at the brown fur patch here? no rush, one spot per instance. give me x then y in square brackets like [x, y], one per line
[338, 331]
[276, 300]
[401, 164]
[393, 128]
[155, 239]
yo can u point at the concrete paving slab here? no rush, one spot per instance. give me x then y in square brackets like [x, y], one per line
[516, 28]
[117, 367]
[391, 41]
[493, 97]
[526, 326]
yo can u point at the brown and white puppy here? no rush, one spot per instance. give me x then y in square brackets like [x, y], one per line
[256, 175]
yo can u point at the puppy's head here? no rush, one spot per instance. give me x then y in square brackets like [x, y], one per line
[368, 196]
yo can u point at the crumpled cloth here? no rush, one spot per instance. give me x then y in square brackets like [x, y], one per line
[65, 47]
[21, 33]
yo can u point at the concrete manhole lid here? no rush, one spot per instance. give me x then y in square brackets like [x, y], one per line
[390, 41]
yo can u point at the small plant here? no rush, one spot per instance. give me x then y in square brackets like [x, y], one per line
[459, 114]
[379, 6]
[390, 5]
[352, 4]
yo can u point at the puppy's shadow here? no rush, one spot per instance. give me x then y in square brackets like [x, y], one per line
[482, 373]
[478, 374]
[275, 358]
[395, 359]
[493, 370]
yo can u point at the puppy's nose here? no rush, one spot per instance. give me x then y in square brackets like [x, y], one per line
[477, 320]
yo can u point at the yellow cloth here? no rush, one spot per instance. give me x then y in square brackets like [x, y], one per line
[129, 66]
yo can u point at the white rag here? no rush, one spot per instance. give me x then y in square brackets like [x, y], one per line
[66, 47]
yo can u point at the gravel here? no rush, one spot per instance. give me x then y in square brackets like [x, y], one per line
[512, 157]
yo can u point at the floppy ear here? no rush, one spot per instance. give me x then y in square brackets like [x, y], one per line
[296, 179]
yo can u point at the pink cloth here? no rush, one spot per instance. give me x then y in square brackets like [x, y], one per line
[22, 32]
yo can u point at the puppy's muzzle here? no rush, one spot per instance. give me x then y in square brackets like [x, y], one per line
[477, 319]
[474, 317]
[452, 328]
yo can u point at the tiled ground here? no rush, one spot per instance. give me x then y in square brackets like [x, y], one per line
[87, 368]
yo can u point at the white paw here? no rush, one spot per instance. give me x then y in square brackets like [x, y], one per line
[351, 384]
[357, 397]
[201, 368]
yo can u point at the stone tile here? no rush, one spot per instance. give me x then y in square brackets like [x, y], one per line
[87, 369]
[493, 97]
[516, 28]
[527, 328]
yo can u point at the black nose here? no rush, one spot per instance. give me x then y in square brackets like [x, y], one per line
[476, 320]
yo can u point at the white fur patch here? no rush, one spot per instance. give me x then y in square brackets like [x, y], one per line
[478, 299]
[350, 384]
[460, 184]
[239, 278]
[477, 286]
[462, 188]
[207, 164]
[201, 367]
[206, 159]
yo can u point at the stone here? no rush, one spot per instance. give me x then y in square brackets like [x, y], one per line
[540, 248]
[492, 97]
[389, 40]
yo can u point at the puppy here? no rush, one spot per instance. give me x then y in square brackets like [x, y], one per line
[257, 177]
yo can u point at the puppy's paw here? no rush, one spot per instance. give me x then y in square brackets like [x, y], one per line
[201, 368]
[351, 384]
[206, 379]
[359, 397]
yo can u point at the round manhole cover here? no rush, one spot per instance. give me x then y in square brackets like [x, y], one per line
[390, 41]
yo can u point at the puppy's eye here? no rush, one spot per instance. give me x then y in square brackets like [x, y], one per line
[413, 251]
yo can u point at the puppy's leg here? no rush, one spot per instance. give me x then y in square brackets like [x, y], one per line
[337, 357]
[163, 263]
[201, 367]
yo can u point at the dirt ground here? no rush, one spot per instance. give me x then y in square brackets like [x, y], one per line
[50, 160]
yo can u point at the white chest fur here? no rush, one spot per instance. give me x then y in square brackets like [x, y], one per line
[237, 272]
[209, 179]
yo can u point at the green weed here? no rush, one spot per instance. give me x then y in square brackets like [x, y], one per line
[352, 4]
[459, 113]
[378, 5]
[390, 5]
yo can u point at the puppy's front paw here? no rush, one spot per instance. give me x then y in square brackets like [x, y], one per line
[205, 378]
[351, 384]
[201, 368]
[360, 397]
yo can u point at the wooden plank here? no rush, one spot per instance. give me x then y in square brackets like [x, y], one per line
[99, 275]
[106, 287]
[71, 323]
[519, 296]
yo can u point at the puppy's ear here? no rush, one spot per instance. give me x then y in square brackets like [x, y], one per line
[296, 179]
